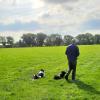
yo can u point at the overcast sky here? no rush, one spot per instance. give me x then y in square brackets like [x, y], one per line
[49, 16]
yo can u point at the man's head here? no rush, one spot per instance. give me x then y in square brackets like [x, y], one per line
[75, 41]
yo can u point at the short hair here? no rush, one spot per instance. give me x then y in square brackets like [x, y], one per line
[75, 40]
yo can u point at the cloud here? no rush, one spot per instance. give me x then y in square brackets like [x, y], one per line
[18, 26]
[49, 16]
[93, 24]
[59, 1]
[19, 10]
[70, 14]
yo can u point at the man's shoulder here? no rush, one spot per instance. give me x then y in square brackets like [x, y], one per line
[72, 46]
[69, 45]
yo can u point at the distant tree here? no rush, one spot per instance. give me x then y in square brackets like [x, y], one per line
[20, 43]
[67, 39]
[90, 38]
[87, 38]
[40, 37]
[10, 41]
[29, 39]
[47, 41]
[56, 39]
[81, 38]
[3, 41]
[97, 39]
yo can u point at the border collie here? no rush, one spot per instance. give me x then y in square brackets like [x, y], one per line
[40, 74]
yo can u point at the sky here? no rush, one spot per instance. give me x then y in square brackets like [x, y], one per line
[66, 17]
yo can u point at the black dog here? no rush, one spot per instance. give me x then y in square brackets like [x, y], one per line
[60, 75]
[40, 74]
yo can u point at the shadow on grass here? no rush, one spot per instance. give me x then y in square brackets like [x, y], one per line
[86, 87]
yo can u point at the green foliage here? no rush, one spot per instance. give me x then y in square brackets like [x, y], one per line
[87, 39]
[28, 39]
[67, 39]
[40, 37]
[10, 41]
[17, 65]
[97, 39]
[3, 40]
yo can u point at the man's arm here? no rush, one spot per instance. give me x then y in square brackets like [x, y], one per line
[78, 53]
[66, 52]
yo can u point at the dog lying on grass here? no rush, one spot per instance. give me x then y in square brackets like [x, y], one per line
[60, 75]
[40, 74]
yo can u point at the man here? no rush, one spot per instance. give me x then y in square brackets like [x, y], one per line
[72, 53]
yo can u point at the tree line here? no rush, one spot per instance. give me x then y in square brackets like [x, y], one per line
[41, 39]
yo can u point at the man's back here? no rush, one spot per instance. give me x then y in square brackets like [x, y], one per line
[72, 52]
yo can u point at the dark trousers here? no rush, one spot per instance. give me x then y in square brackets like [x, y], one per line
[72, 67]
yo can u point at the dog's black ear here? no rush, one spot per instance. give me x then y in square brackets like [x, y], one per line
[57, 77]
[42, 70]
[62, 74]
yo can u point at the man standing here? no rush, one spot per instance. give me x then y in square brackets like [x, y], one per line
[72, 53]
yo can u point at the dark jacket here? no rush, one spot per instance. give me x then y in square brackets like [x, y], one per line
[72, 52]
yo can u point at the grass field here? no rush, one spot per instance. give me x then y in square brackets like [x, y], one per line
[17, 65]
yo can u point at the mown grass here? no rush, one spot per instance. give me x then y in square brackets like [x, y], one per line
[17, 65]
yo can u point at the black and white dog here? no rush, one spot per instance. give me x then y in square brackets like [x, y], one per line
[40, 74]
[60, 75]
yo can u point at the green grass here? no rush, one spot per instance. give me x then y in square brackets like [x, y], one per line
[17, 65]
